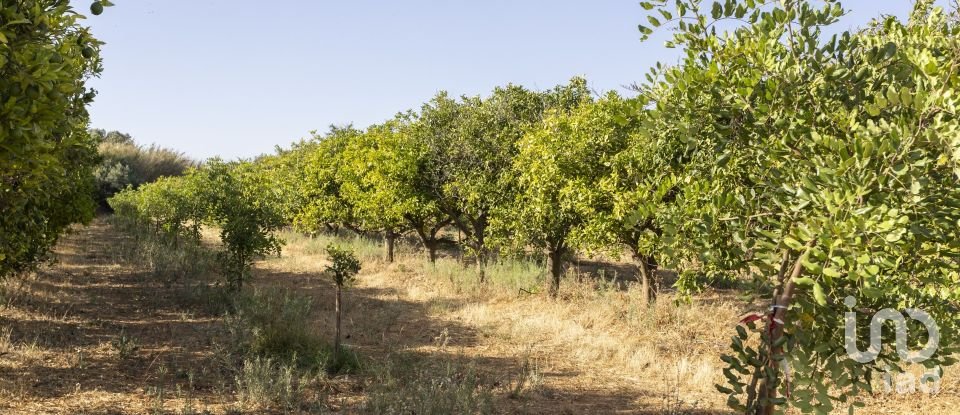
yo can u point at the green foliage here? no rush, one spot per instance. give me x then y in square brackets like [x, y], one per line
[275, 324]
[823, 168]
[813, 168]
[559, 172]
[238, 204]
[381, 179]
[231, 196]
[279, 325]
[344, 265]
[470, 148]
[124, 163]
[46, 154]
[286, 171]
[321, 204]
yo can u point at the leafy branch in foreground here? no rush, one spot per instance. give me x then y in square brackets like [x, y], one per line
[821, 168]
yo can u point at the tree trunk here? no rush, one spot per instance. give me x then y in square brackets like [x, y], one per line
[389, 243]
[482, 265]
[782, 298]
[336, 339]
[479, 236]
[645, 282]
[429, 241]
[240, 274]
[647, 272]
[556, 270]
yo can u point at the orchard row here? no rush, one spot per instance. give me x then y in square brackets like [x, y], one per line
[813, 168]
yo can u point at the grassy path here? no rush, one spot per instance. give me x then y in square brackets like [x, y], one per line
[90, 335]
[93, 334]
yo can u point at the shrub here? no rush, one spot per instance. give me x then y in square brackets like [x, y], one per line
[125, 163]
[265, 382]
[405, 386]
[275, 323]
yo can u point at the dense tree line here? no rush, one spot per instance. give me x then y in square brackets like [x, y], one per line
[46, 153]
[812, 168]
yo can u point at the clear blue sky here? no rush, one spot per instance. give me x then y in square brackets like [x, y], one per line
[235, 77]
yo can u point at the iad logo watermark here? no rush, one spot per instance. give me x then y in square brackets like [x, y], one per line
[905, 382]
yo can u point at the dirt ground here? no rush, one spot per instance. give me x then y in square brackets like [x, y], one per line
[92, 335]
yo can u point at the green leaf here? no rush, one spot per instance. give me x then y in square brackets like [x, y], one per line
[872, 292]
[831, 272]
[793, 243]
[810, 265]
[818, 295]
[805, 281]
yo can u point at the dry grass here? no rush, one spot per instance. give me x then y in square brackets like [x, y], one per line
[431, 340]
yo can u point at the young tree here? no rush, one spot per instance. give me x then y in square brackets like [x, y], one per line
[236, 195]
[343, 267]
[822, 168]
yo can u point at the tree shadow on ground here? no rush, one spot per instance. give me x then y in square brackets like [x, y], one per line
[77, 311]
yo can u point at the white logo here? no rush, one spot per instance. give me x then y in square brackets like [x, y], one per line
[876, 325]
[902, 382]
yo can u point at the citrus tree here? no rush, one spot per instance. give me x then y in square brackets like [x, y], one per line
[560, 171]
[368, 184]
[286, 170]
[321, 205]
[639, 188]
[381, 179]
[246, 219]
[471, 144]
[46, 153]
[823, 168]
